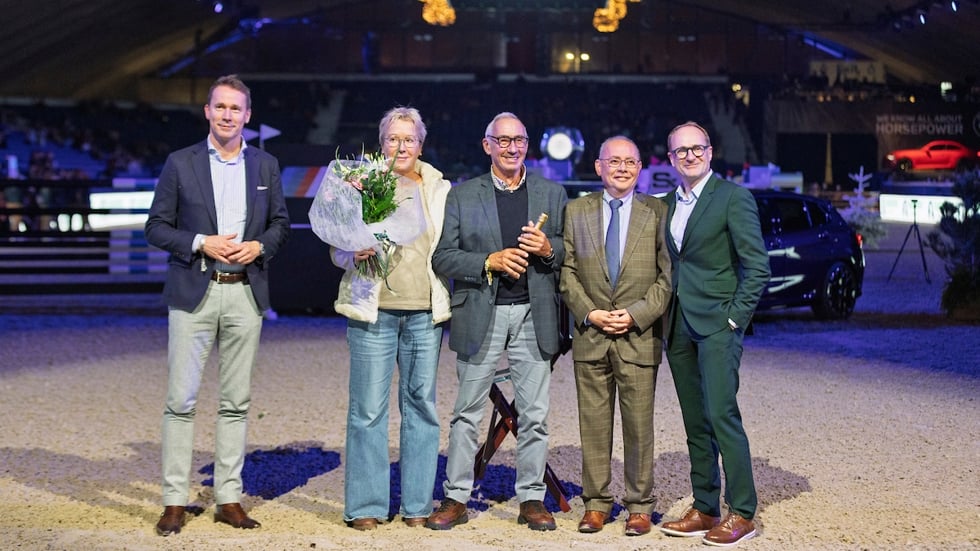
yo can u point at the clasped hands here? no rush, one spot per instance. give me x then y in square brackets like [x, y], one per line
[615, 322]
[224, 249]
[513, 261]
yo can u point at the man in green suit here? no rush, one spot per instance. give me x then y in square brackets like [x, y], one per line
[618, 303]
[720, 268]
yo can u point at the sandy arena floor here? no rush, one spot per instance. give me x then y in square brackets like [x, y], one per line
[865, 434]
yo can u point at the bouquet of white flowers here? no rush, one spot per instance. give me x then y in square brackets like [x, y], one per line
[360, 204]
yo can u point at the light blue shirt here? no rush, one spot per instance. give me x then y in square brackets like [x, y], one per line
[228, 182]
[682, 212]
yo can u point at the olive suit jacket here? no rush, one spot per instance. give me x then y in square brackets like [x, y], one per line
[643, 287]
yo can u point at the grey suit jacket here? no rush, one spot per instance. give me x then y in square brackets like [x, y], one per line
[470, 232]
[643, 288]
[183, 206]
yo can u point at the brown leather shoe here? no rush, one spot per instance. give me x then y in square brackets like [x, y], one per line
[731, 531]
[638, 524]
[414, 522]
[171, 521]
[450, 513]
[693, 523]
[233, 514]
[536, 516]
[363, 524]
[592, 522]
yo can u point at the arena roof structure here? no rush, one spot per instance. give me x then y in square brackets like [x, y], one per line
[101, 48]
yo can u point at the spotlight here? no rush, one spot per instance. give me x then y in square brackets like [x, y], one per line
[219, 7]
[562, 144]
[922, 17]
[953, 6]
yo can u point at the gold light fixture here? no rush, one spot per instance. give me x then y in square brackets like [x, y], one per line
[438, 12]
[606, 20]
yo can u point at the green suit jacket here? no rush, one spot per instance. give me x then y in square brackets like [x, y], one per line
[723, 266]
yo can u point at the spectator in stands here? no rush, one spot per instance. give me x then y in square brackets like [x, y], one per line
[401, 323]
[219, 210]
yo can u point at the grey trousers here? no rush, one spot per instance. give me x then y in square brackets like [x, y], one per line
[229, 316]
[511, 330]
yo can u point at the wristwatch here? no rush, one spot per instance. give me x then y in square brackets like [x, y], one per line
[261, 248]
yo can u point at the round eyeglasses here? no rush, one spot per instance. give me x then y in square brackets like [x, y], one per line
[698, 150]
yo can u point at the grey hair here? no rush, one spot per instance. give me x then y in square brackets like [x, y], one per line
[500, 116]
[409, 114]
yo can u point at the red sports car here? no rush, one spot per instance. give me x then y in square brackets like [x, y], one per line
[935, 155]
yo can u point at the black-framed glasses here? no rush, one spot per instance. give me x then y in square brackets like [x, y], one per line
[615, 162]
[698, 150]
[505, 141]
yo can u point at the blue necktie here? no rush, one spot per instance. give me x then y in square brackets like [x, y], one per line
[612, 241]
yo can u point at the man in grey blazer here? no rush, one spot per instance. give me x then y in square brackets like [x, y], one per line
[505, 275]
[219, 210]
[616, 282]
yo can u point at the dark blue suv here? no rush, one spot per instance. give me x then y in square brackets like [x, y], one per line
[817, 260]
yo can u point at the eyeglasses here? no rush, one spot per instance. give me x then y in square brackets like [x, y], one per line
[698, 150]
[505, 141]
[410, 142]
[616, 162]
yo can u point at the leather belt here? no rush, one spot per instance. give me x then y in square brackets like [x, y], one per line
[229, 277]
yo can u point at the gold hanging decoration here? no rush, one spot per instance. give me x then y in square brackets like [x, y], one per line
[438, 12]
[606, 20]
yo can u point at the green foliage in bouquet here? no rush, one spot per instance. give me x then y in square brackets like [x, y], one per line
[376, 182]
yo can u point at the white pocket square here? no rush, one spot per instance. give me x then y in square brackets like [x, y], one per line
[262, 188]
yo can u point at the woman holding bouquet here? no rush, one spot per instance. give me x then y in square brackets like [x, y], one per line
[396, 320]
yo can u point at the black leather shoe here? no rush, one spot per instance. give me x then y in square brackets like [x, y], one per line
[171, 521]
[233, 514]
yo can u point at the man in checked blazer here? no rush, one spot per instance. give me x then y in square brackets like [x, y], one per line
[720, 268]
[618, 328]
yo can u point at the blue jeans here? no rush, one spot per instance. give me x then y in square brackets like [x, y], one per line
[408, 338]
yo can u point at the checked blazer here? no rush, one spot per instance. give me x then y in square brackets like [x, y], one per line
[643, 288]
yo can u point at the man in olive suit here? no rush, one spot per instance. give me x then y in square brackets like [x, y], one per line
[616, 283]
